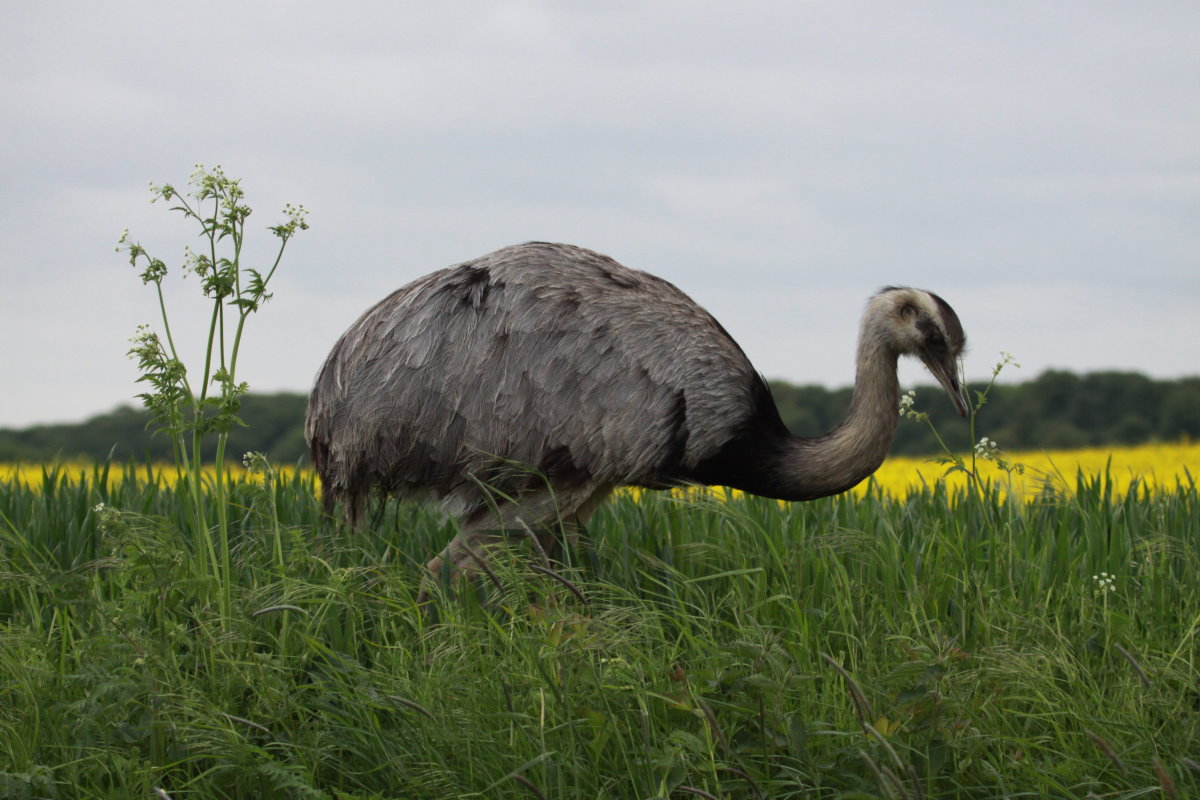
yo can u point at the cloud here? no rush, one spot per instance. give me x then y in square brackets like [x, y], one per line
[1035, 164]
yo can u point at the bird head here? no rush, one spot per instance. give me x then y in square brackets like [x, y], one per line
[921, 324]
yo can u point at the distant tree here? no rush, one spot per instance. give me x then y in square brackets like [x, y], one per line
[1131, 429]
[1108, 401]
[1180, 410]
[1058, 434]
[274, 425]
[1055, 392]
[1057, 409]
[810, 410]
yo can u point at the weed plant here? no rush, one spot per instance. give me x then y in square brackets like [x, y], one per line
[187, 408]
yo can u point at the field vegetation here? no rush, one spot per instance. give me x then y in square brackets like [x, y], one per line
[946, 643]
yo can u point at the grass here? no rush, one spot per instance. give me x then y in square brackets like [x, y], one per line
[940, 645]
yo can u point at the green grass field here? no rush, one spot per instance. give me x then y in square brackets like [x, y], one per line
[866, 647]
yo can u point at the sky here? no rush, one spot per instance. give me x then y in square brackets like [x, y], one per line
[1035, 164]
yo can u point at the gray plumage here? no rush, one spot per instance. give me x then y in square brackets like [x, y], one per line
[521, 387]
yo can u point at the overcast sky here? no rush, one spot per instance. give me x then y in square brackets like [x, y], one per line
[1036, 164]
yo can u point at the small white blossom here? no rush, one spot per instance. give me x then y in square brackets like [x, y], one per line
[108, 519]
[1104, 583]
[256, 462]
[987, 449]
[191, 261]
[144, 336]
[908, 407]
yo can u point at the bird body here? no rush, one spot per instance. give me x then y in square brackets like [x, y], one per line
[521, 387]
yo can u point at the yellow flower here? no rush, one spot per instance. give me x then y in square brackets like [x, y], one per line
[1155, 466]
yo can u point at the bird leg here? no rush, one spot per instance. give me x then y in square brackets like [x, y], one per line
[466, 553]
[552, 541]
[471, 549]
[573, 528]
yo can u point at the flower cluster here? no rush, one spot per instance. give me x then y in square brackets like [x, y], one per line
[1104, 583]
[144, 339]
[297, 216]
[108, 519]
[987, 449]
[256, 462]
[908, 408]
[155, 269]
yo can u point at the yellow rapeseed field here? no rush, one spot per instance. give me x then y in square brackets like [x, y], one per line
[75, 471]
[1156, 466]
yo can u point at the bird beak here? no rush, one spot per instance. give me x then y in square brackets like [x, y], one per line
[947, 372]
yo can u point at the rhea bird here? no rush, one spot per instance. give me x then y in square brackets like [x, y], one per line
[522, 387]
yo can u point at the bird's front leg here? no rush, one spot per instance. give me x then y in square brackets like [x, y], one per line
[467, 553]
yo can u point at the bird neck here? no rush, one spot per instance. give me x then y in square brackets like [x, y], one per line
[807, 468]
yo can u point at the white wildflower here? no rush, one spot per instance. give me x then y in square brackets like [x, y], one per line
[987, 449]
[144, 336]
[256, 462]
[908, 407]
[108, 519]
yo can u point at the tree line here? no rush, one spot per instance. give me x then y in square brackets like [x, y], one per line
[1056, 410]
